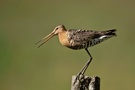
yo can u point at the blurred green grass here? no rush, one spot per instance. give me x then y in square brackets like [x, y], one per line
[25, 67]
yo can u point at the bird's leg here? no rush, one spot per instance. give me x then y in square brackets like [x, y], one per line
[82, 71]
[87, 64]
[89, 61]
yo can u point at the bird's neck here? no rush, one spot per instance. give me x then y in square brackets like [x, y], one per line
[63, 38]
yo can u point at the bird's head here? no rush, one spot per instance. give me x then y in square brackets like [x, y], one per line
[58, 29]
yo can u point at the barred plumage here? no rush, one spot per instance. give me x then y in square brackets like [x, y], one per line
[80, 39]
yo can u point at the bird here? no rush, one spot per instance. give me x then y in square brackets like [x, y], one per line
[77, 39]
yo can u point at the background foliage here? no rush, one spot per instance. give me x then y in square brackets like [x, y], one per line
[23, 66]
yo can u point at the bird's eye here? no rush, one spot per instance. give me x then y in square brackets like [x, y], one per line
[56, 28]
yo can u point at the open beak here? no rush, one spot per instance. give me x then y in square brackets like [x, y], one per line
[45, 39]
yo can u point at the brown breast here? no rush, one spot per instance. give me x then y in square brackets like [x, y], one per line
[64, 39]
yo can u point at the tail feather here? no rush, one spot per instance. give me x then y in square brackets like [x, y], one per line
[110, 32]
[107, 34]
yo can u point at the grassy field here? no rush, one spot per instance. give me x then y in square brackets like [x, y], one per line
[23, 66]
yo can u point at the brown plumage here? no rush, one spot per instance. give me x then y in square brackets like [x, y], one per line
[79, 39]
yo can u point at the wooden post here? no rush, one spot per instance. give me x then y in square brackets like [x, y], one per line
[82, 82]
[85, 83]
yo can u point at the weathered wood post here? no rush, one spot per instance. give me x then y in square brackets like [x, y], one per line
[82, 82]
[85, 83]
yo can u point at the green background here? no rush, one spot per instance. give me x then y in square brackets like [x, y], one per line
[23, 66]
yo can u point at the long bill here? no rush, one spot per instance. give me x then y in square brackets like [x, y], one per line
[45, 39]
